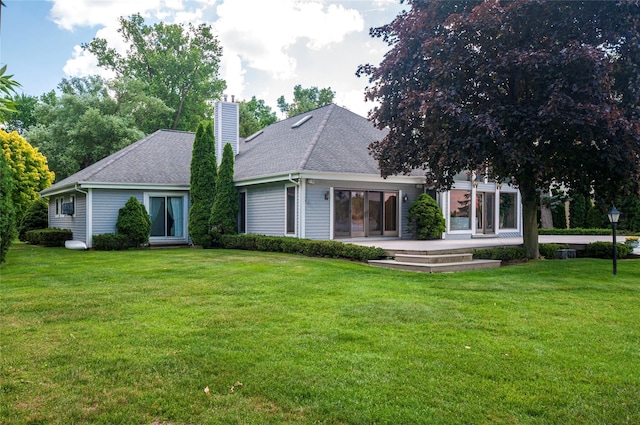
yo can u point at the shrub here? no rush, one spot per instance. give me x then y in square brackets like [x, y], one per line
[605, 250]
[48, 237]
[36, 217]
[134, 222]
[504, 253]
[204, 171]
[224, 213]
[548, 250]
[425, 218]
[577, 231]
[7, 209]
[110, 242]
[307, 247]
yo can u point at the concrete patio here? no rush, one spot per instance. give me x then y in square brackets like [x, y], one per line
[446, 256]
[453, 245]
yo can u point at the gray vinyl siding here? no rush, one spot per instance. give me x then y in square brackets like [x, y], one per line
[106, 204]
[77, 222]
[266, 209]
[317, 211]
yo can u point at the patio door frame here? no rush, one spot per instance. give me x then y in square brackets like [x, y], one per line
[362, 210]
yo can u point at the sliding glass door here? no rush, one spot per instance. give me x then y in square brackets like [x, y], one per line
[359, 213]
[167, 216]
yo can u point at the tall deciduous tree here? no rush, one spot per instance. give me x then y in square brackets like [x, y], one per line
[305, 100]
[27, 168]
[224, 214]
[180, 65]
[539, 91]
[203, 184]
[254, 116]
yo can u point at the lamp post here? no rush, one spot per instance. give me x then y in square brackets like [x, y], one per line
[614, 215]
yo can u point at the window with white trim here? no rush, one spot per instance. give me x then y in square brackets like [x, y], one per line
[290, 213]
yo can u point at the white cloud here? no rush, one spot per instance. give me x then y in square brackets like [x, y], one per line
[68, 14]
[233, 73]
[262, 32]
[268, 46]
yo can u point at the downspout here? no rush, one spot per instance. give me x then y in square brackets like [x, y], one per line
[297, 183]
[88, 228]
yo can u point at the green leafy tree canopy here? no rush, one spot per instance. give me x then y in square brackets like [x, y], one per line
[254, 116]
[28, 170]
[179, 64]
[305, 99]
[82, 125]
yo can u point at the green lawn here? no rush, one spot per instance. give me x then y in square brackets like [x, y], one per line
[135, 338]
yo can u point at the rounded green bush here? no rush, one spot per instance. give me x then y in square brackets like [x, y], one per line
[134, 222]
[425, 218]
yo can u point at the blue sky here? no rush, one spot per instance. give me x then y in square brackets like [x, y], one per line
[268, 46]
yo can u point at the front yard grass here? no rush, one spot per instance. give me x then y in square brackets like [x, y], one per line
[136, 337]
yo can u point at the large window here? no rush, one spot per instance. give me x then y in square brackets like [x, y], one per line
[460, 209]
[167, 216]
[291, 210]
[508, 210]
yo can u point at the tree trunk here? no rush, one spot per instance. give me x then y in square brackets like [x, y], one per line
[546, 218]
[530, 200]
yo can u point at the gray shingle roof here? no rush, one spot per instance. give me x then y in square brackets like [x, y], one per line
[162, 158]
[333, 140]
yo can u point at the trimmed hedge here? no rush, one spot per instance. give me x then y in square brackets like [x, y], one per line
[548, 250]
[576, 231]
[307, 247]
[48, 237]
[111, 242]
[605, 250]
[505, 253]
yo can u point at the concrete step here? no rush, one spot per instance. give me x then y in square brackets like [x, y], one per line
[461, 266]
[434, 258]
[394, 252]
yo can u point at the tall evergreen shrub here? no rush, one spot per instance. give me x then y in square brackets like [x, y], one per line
[203, 184]
[134, 222]
[425, 218]
[7, 210]
[224, 214]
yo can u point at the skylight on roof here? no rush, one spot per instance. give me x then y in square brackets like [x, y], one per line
[301, 121]
[253, 136]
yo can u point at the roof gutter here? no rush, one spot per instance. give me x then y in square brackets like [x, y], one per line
[297, 183]
[77, 189]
